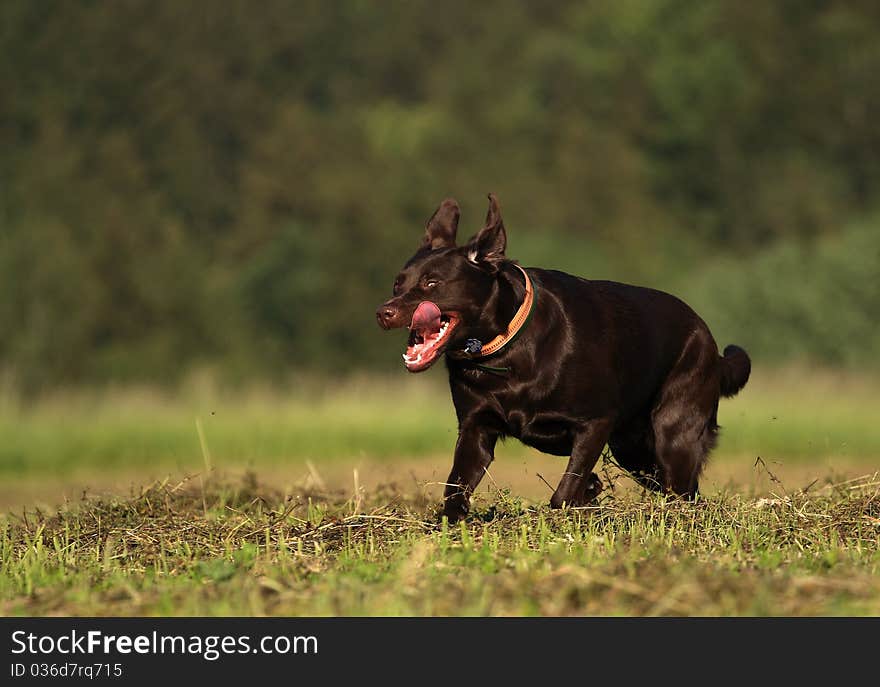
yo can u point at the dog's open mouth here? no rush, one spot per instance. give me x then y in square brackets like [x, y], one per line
[429, 333]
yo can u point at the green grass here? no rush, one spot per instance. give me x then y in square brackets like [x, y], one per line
[205, 545]
[242, 548]
[795, 415]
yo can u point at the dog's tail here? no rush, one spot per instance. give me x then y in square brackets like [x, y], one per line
[735, 369]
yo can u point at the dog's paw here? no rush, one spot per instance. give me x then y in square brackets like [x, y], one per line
[454, 510]
[586, 495]
[592, 488]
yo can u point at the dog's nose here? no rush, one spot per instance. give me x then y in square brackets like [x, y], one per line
[385, 315]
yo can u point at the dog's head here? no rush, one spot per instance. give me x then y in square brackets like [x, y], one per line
[443, 291]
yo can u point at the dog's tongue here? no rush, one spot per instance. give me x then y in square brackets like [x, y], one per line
[426, 318]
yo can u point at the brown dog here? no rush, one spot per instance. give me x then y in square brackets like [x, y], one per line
[563, 364]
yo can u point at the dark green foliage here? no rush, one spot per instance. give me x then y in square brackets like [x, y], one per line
[235, 186]
[824, 313]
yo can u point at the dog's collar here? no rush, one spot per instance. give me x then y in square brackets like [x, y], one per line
[517, 324]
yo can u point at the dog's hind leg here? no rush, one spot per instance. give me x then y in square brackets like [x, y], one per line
[688, 437]
[579, 484]
[632, 447]
[685, 416]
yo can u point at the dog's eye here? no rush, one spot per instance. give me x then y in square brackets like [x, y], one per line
[398, 283]
[430, 283]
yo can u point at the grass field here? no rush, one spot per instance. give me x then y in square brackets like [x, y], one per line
[323, 501]
[247, 549]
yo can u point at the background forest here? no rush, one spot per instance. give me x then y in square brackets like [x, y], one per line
[231, 187]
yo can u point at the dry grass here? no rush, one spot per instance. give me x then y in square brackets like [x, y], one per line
[245, 548]
[795, 532]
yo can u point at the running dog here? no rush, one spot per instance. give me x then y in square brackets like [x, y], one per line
[564, 364]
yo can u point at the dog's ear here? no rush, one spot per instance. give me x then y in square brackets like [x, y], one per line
[487, 248]
[441, 228]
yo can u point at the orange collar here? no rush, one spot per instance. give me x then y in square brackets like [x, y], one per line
[520, 319]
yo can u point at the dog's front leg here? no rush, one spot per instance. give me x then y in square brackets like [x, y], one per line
[579, 484]
[474, 450]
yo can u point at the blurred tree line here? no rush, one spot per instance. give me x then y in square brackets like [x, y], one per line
[234, 185]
